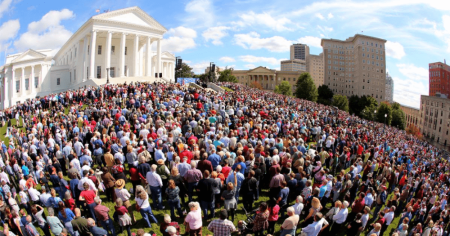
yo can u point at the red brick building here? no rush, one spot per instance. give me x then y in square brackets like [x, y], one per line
[439, 78]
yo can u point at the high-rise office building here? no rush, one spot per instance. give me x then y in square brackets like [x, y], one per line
[299, 51]
[439, 78]
[389, 89]
[356, 66]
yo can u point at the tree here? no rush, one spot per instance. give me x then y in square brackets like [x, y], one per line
[398, 118]
[414, 130]
[341, 102]
[283, 88]
[185, 72]
[384, 109]
[306, 89]
[358, 104]
[256, 85]
[396, 106]
[325, 95]
[368, 112]
[227, 76]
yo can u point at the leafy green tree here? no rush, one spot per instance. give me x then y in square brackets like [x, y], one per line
[395, 106]
[384, 109]
[341, 102]
[325, 94]
[368, 112]
[227, 76]
[355, 105]
[283, 88]
[398, 118]
[306, 89]
[185, 72]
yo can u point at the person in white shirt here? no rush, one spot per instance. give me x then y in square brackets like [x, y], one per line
[144, 206]
[388, 217]
[86, 179]
[365, 217]
[34, 195]
[155, 182]
[314, 228]
[298, 206]
[340, 218]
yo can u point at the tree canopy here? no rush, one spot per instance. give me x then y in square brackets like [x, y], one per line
[283, 88]
[306, 89]
[227, 76]
[325, 95]
[358, 104]
[384, 109]
[341, 102]
[185, 72]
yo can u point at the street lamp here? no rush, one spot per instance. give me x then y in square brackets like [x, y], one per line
[385, 116]
[373, 120]
[107, 75]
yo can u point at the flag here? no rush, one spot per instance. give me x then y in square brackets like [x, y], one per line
[98, 10]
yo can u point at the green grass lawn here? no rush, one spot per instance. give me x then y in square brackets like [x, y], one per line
[227, 89]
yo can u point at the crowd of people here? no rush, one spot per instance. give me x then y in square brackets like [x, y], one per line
[319, 170]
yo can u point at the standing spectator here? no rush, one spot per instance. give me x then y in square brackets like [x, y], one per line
[290, 224]
[123, 219]
[143, 206]
[155, 182]
[192, 178]
[54, 223]
[109, 183]
[193, 220]
[66, 216]
[206, 188]
[173, 192]
[122, 193]
[261, 222]
[101, 213]
[222, 226]
[88, 197]
[168, 223]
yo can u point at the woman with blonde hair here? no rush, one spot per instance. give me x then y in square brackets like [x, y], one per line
[228, 196]
[143, 205]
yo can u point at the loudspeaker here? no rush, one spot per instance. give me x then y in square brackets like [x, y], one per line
[160, 75]
[213, 68]
[156, 75]
[179, 63]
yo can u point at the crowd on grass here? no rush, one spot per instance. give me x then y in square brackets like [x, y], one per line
[194, 150]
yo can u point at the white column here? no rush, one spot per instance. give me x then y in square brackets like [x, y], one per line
[148, 58]
[22, 82]
[31, 81]
[6, 91]
[136, 55]
[92, 54]
[122, 55]
[108, 51]
[84, 62]
[158, 57]
[13, 83]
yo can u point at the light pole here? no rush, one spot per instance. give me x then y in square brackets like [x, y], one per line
[107, 75]
[211, 65]
[373, 120]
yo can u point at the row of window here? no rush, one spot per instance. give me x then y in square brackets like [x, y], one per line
[371, 44]
[27, 84]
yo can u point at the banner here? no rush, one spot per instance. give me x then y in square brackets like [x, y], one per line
[184, 81]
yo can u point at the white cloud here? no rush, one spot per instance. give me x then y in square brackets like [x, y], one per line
[179, 39]
[200, 13]
[446, 32]
[394, 50]
[310, 41]
[47, 33]
[255, 59]
[254, 41]
[325, 29]
[227, 59]
[320, 16]
[407, 90]
[265, 19]
[9, 29]
[199, 68]
[51, 19]
[330, 15]
[182, 32]
[215, 34]
[4, 6]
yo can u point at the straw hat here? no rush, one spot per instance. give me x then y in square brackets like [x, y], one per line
[120, 183]
[160, 161]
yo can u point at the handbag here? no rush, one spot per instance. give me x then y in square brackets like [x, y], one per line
[138, 207]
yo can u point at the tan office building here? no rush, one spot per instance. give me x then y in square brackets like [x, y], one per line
[293, 65]
[435, 119]
[315, 67]
[412, 116]
[299, 51]
[268, 78]
[355, 66]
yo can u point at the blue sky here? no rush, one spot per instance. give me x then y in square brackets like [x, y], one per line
[248, 33]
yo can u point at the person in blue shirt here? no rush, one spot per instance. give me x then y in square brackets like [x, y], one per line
[96, 231]
[25, 170]
[240, 161]
[214, 159]
[282, 200]
[239, 176]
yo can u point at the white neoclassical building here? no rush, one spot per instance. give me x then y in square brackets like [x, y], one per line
[125, 42]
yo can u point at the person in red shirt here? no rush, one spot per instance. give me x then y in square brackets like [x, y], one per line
[357, 207]
[188, 154]
[226, 170]
[69, 201]
[134, 176]
[88, 196]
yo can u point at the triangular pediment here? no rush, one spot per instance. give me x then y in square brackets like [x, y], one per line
[29, 55]
[168, 55]
[261, 69]
[132, 16]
